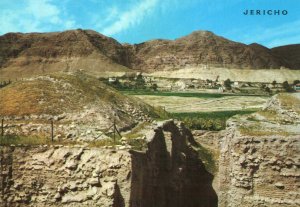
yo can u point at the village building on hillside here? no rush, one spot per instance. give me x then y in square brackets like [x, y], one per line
[297, 87]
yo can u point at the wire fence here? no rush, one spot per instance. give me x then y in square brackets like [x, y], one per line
[112, 131]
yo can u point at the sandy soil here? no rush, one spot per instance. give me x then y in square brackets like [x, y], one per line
[192, 104]
[245, 75]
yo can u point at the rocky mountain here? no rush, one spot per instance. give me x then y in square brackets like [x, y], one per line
[203, 48]
[23, 55]
[290, 53]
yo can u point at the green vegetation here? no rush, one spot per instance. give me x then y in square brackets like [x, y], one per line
[296, 82]
[130, 83]
[254, 130]
[182, 94]
[258, 131]
[208, 120]
[4, 83]
[289, 102]
[227, 84]
[134, 137]
[207, 158]
[161, 113]
[38, 140]
[268, 114]
[287, 87]
[136, 131]
[137, 144]
[30, 140]
[104, 142]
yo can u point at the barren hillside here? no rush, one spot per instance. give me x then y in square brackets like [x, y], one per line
[290, 53]
[81, 105]
[24, 55]
[203, 48]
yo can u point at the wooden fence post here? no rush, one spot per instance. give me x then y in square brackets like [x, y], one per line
[114, 130]
[52, 130]
[2, 127]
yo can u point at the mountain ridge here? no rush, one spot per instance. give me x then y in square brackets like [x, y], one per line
[36, 53]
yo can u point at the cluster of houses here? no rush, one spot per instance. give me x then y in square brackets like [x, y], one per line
[184, 84]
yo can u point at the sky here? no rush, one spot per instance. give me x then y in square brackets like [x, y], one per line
[136, 21]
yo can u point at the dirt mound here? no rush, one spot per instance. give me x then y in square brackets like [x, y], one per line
[76, 101]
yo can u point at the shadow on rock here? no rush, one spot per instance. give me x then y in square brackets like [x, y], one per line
[169, 173]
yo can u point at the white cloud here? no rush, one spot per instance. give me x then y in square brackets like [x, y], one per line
[286, 33]
[108, 16]
[33, 16]
[130, 18]
[42, 9]
[294, 39]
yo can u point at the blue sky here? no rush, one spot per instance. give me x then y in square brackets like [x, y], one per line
[135, 21]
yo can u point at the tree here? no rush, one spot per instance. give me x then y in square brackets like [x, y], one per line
[154, 87]
[227, 84]
[268, 90]
[274, 83]
[286, 86]
[140, 82]
[296, 82]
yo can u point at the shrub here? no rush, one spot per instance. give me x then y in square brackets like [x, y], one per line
[227, 84]
[286, 86]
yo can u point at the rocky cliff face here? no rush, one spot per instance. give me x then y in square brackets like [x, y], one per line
[259, 162]
[168, 173]
[24, 55]
[203, 48]
[37, 53]
[290, 53]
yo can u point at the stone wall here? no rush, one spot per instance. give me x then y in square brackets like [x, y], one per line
[63, 176]
[167, 173]
[259, 170]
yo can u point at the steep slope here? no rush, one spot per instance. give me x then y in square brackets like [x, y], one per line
[290, 53]
[202, 48]
[81, 104]
[24, 55]
[38, 53]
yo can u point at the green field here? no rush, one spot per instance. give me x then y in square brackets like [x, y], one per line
[208, 111]
[183, 94]
[208, 120]
[24, 140]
